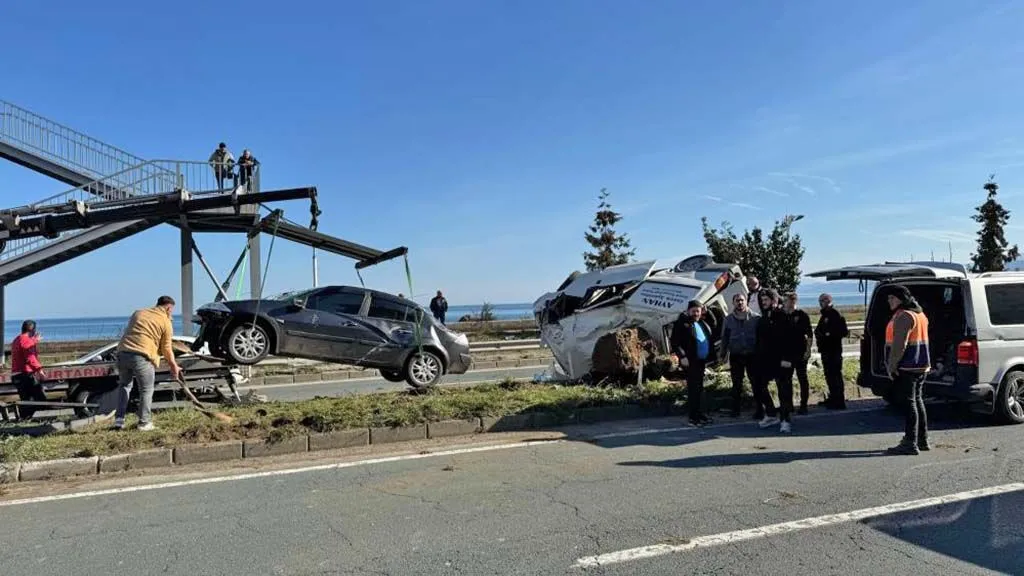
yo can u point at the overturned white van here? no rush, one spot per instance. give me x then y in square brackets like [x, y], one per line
[589, 305]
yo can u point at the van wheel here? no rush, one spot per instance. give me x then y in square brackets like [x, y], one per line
[1010, 398]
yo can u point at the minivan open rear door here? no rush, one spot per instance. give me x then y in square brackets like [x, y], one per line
[892, 270]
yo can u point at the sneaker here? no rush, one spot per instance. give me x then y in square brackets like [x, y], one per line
[902, 449]
[118, 424]
[785, 427]
[768, 421]
[147, 427]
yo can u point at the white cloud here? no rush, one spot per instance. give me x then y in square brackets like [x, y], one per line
[792, 175]
[744, 205]
[712, 198]
[770, 191]
[954, 236]
[800, 186]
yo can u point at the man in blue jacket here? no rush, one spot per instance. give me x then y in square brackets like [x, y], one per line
[691, 341]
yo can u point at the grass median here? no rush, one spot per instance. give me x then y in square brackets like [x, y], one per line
[275, 421]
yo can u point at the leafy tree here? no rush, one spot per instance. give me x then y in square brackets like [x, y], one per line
[610, 247]
[994, 251]
[487, 312]
[774, 258]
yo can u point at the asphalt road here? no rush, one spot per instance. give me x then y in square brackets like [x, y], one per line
[546, 507]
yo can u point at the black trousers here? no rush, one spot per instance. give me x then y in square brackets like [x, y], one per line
[832, 365]
[30, 391]
[695, 387]
[763, 374]
[740, 364]
[800, 369]
[910, 387]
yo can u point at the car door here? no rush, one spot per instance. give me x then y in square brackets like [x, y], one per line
[394, 326]
[336, 324]
[310, 327]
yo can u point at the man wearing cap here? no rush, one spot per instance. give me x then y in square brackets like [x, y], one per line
[691, 341]
[830, 332]
[907, 361]
[223, 163]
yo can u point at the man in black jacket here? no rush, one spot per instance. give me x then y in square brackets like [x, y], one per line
[796, 351]
[691, 341]
[768, 357]
[439, 307]
[830, 332]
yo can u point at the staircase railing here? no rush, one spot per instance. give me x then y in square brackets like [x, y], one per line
[60, 144]
[153, 177]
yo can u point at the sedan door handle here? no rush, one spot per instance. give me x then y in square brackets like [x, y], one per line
[349, 324]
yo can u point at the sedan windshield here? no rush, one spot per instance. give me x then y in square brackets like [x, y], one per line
[292, 294]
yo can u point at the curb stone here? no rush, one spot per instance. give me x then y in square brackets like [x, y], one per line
[197, 453]
[63, 468]
[399, 434]
[9, 472]
[339, 439]
[447, 428]
[260, 448]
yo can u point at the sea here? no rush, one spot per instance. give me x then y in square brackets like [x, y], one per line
[110, 327]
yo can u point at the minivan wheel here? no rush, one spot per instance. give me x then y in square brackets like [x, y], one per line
[392, 376]
[424, 369]
[1010, 398]
[248, 344]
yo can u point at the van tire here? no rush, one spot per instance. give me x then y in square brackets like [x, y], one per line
[1009, 398]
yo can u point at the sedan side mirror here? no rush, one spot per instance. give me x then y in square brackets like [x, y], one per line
[299, 303]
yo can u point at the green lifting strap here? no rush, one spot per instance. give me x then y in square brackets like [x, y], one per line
[419, 311]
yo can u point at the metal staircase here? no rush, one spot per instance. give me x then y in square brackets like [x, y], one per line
[96, 170]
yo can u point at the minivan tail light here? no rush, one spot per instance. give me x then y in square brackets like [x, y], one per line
[967, 353]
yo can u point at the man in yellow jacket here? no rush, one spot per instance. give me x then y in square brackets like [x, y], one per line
[146, 338]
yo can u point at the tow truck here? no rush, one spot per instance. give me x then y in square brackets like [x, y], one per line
[88, 385]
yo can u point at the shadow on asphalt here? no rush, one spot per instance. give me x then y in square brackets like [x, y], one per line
[941, 416]
[753, 459]
[986, 532]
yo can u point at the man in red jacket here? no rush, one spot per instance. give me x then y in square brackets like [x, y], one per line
[26, 370]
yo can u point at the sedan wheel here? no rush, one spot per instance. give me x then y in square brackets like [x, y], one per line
[248, 344]
[423, 370]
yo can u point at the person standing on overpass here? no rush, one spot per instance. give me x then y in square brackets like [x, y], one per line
[26, 370]
[146, 338]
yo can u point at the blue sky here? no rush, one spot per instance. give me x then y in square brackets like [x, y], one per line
[479, 133]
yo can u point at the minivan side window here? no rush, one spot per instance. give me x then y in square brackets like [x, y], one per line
[391, 310]
[1005, 304]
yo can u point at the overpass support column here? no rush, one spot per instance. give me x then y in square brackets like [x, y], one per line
[187, 286]
[255, 262]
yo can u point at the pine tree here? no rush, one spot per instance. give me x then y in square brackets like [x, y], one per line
[994, 251]
[610, 247]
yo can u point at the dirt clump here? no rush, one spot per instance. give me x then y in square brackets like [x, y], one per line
[619, 355]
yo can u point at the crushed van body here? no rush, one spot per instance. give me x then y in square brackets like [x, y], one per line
[639, 295]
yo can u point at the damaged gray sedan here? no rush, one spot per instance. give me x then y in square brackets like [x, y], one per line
[343, 324]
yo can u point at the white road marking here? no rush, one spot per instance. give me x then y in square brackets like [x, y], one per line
[725, 538]
[646, 431]
[271, 473]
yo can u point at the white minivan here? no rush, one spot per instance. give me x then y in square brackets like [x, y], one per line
[975, 330]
